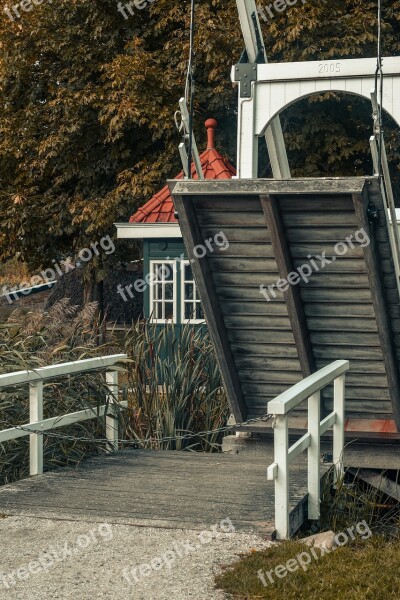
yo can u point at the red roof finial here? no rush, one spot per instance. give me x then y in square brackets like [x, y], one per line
[211, 125]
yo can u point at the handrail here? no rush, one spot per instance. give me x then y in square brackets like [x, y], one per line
[38, 425]
[69, 368]
[292, 397]
[284, 454]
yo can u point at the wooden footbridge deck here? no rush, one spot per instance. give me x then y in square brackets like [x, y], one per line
[159, 489]
[175, 490]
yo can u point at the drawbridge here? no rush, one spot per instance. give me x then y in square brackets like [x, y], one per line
[312, 273]
[274, 316]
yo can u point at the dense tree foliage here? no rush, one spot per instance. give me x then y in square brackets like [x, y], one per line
[88, 98]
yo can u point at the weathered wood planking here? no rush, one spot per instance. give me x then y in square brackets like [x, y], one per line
[342, 324]
[333, 352]
[239, 235]
[261, 322]
[314, 309]
[259, 337]
[215, 204]
[335, 338]
[370, 367]
[261, 351]
[245, 250]
[318, 248]
[263, 363]
[337, 306]
[228, 264]
[352, 392]
[266, 375]
[304, 204]
[300, 235]
[254, 187]
[231, 219]
[173, 490]
[235, 293]
[320, 219]
[254, 309]
[322, 296]
[339, 266]
[326, 280]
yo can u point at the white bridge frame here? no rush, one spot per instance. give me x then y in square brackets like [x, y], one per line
[279, 85]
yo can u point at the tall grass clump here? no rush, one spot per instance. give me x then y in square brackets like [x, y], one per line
[175, 388]
[33, 340]
[351, 500]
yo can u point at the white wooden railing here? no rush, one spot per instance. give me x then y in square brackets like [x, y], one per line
[35, 379]
[284, 455]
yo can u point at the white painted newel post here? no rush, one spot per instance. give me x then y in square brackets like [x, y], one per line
[112, 417]
[338, 427]
[35, 440]
[314, 456]
[308, 389]
[281, 454]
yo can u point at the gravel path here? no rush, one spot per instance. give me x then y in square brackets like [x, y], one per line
[51, 559]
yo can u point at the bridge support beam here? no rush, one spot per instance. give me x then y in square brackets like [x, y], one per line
[292, 295]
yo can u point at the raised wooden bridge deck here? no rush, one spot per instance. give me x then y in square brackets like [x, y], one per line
[346, 309]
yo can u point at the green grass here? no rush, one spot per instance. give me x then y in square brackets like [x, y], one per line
[363, 570]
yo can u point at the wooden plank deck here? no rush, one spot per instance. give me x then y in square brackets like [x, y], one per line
[162, 489]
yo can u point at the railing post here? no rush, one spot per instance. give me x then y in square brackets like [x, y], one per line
[281, 447]
[112, 419]
[338, 428]
[314, 457]
[35, 440]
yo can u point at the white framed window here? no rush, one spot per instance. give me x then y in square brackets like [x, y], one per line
[191, 307]
[163, 293]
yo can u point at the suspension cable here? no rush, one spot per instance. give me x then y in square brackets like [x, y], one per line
[189, 91]
[379, 96]
[153, 439]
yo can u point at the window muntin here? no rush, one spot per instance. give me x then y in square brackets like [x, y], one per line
[163, 291]
[191, 307]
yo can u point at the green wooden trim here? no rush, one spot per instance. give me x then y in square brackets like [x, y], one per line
[146, 267]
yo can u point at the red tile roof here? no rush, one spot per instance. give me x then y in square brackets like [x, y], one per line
[160, 208]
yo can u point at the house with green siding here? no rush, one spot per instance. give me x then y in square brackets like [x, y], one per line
[173, 296]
